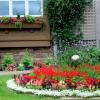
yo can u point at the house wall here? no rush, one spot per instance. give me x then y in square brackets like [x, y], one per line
[89, 27]
[98, 23]
[26, 37]
[41, 38]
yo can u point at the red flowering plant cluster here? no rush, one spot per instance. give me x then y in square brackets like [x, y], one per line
[49, 77]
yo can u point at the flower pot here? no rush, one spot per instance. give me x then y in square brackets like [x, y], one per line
[26, 67]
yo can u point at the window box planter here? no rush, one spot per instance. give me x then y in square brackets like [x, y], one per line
[36, 24]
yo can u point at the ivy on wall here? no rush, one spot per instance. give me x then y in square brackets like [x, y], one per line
[65, 17]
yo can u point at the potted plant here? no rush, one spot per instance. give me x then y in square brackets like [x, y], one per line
[26, 60]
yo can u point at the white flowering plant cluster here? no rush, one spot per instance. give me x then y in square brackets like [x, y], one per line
[12, 85]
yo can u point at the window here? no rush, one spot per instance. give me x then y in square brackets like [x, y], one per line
[4, 8]
[22, 7]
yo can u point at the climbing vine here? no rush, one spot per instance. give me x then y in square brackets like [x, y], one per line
[65, 18]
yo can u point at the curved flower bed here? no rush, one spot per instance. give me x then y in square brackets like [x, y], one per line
[12, 85]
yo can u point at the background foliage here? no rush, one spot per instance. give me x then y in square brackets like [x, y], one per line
[88, 55]
[65, 17]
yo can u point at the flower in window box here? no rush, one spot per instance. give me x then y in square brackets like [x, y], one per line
[29, 19]
[12, 20]
[5, 20]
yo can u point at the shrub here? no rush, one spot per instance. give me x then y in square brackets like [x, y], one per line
[88, 55]
[66, 16]
[26, 59]
[8, 59]
[2, 67]
[48, 60]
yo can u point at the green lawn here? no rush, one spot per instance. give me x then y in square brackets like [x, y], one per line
[7, 94]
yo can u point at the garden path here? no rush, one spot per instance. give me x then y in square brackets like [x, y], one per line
[14, 72]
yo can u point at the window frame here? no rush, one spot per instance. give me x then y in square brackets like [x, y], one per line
[26, 8]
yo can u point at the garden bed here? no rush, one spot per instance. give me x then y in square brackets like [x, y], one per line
[50, 81]
[11, 84]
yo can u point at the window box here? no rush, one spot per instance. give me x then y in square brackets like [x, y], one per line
[35, 25]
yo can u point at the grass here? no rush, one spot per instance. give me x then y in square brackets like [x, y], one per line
[7, 94]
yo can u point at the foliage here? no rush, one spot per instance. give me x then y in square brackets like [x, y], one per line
[18, 16]
[2, 66]
[49, 60]
[18, 24]
[8, 59]
[20, 68]
[26, 59]
[65, 17]
[88, 55]
[29, 19]
[48, 76]
[5, 19]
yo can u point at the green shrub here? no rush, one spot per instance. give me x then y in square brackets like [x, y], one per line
[2, 67]
[8, 59]
[66, 16]
[26, 59]
[47, 60]
[88, 55]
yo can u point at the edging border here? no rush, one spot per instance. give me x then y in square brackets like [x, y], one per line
[77, 93]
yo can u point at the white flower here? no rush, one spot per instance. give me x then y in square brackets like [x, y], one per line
[11, 84]
[61, 82]
[75, 57]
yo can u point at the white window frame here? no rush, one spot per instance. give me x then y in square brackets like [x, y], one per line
[26, 8]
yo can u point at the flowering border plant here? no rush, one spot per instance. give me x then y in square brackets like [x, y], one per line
[79, 81]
